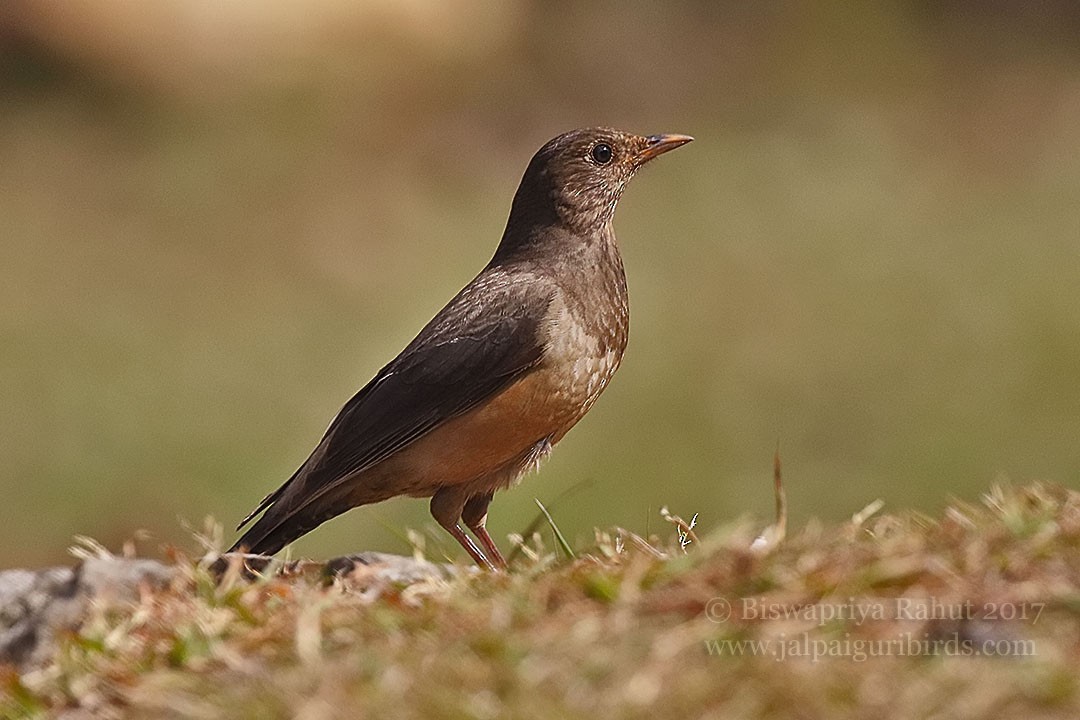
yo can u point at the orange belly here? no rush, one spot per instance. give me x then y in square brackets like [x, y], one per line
[484, 441]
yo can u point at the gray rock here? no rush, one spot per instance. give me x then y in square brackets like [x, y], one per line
[37, 604]
[394, 569]
[380, 567]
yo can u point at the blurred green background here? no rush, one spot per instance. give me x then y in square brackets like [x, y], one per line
[218, 220]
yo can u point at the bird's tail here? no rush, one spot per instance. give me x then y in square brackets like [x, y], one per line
[286, 520]
[267, 536]
[255, 540]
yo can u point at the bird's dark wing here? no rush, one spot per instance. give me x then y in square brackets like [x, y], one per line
[482, 341]
[486, 338]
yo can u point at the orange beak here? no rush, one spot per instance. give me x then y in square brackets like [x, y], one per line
[660, 144]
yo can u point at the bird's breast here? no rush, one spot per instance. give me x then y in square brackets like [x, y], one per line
[583, 347]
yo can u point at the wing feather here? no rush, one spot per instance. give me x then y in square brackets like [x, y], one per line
[487, 337]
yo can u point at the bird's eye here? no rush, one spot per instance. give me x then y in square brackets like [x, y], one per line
[601, 153]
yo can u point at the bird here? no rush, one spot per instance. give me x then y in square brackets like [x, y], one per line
[500, 375]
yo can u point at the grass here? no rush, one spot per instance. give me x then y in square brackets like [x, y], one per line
[971, 614]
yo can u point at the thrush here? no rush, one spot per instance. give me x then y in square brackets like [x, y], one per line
[499, 376]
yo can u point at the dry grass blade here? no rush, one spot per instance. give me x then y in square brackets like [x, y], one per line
[87, 547]
[775, 533]
[642, 544]
[780, 528]
[685, 529]
[867, 512]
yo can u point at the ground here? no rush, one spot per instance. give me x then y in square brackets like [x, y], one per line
[972, 614]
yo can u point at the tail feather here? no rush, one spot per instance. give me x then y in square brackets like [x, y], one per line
[284, 522]
[295, 509]
[263, 504]
[265, 537]
[270, 499]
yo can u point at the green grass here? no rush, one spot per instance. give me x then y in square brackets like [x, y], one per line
[633, 628]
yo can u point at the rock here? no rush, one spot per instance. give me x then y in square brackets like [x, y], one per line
[37, 604]
[382, 567]
[393, 569]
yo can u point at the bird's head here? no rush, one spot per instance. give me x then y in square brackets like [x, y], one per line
[576, 179]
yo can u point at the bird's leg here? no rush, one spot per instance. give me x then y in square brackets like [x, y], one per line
[474, 515]
[446, 507]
